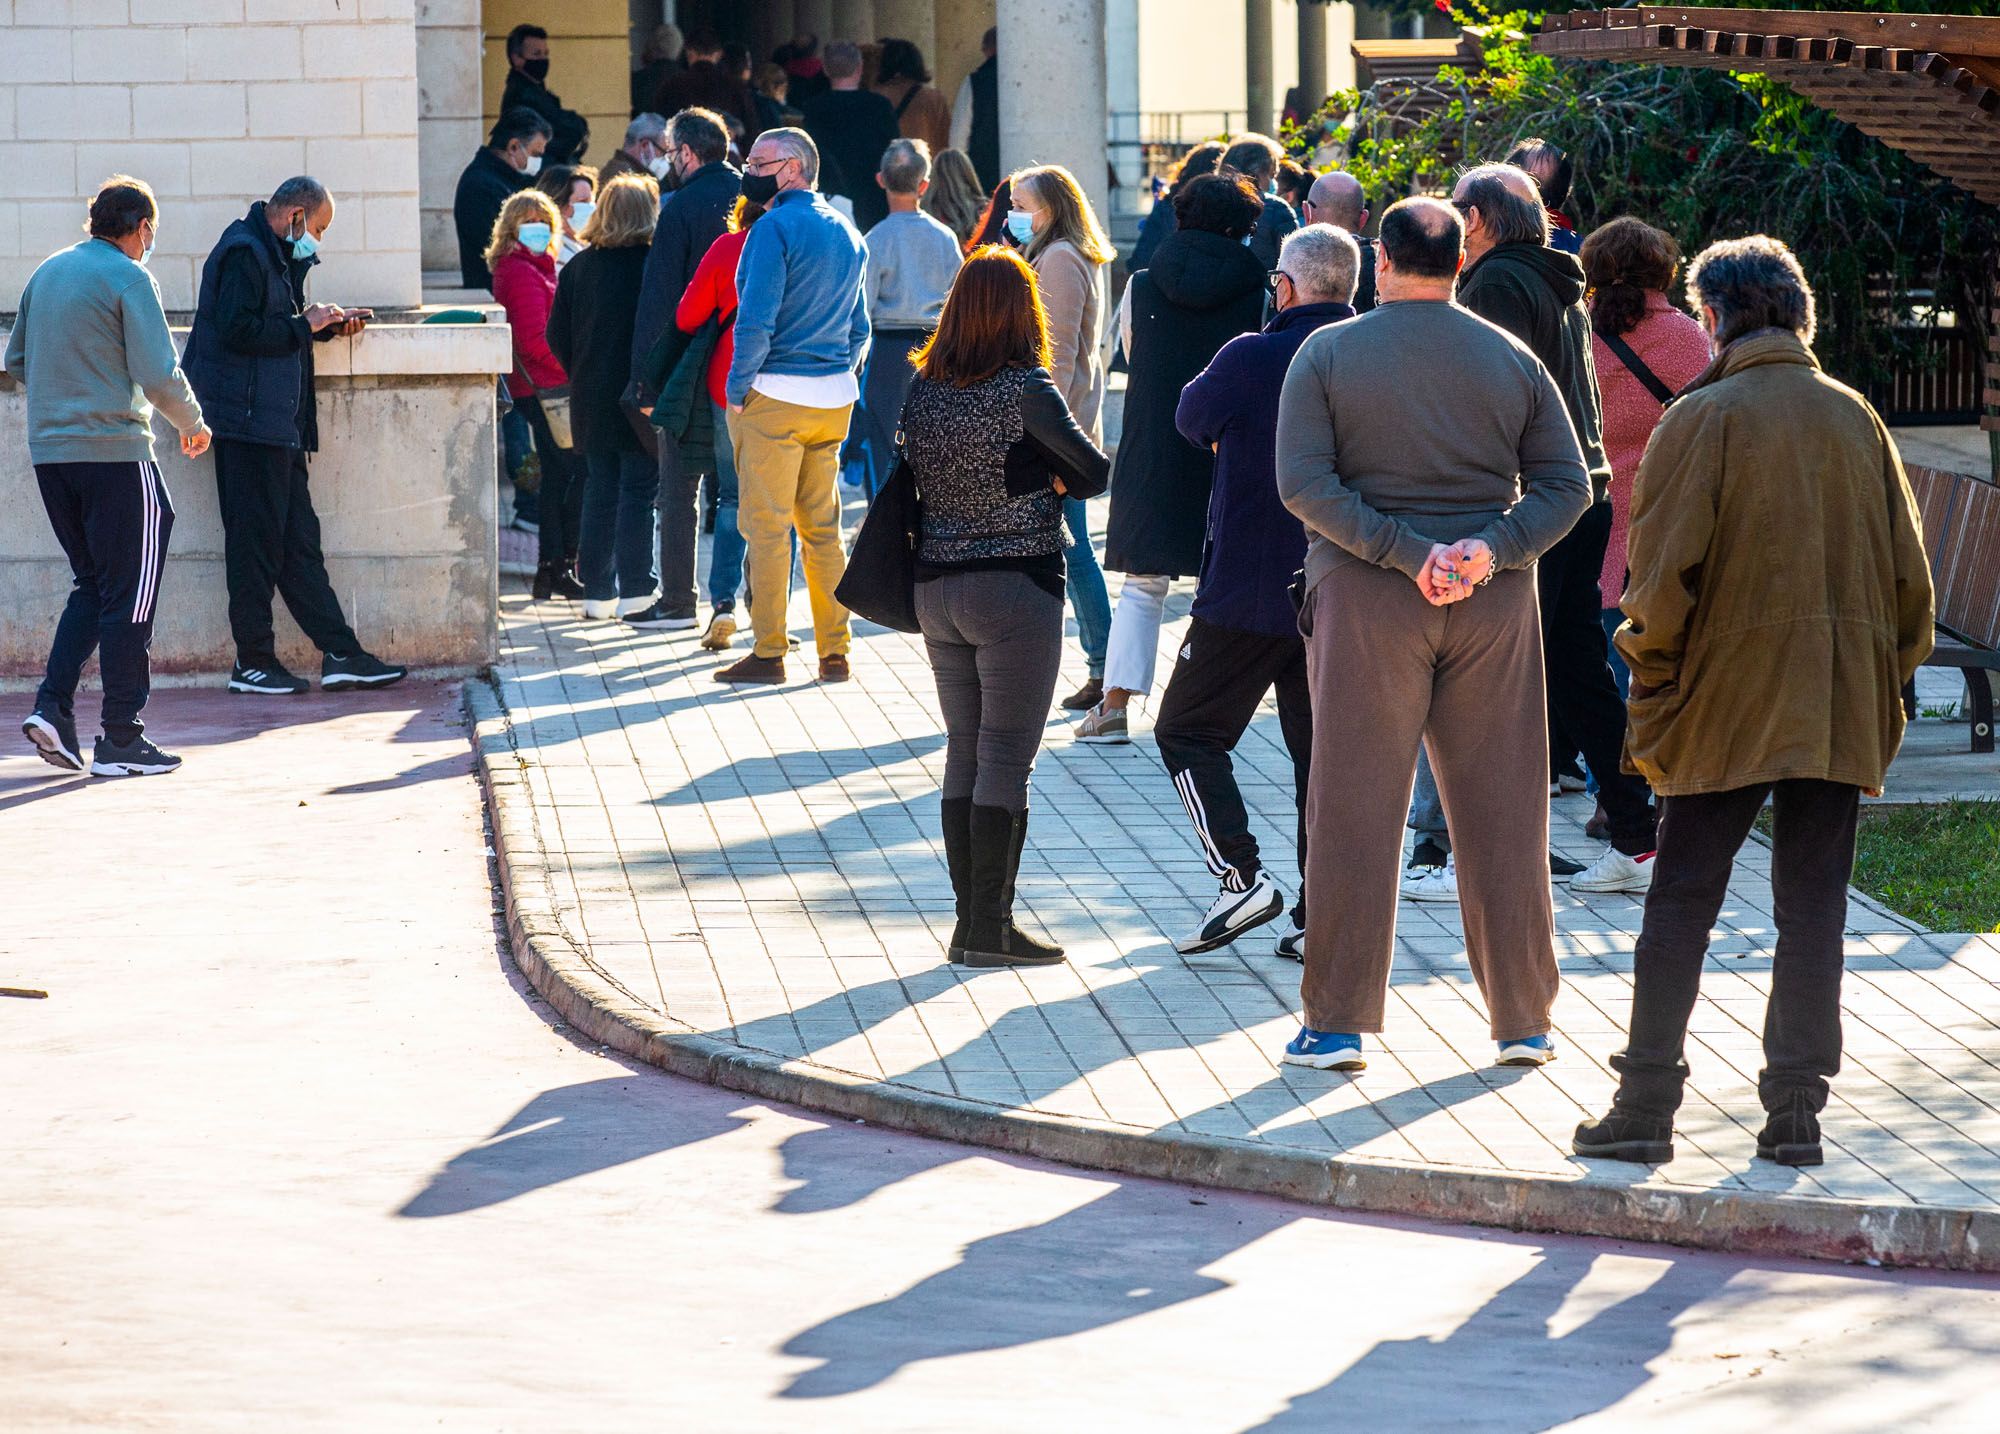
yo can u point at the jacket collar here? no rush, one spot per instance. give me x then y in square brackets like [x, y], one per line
[1308, 316]
[1754, 350]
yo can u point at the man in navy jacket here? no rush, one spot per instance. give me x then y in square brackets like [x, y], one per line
[1243, 637]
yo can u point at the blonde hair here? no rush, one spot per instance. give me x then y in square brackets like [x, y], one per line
[1070, 214]
[627, 209]
[524, 206]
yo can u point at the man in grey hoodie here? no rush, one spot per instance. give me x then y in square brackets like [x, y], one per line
[91, 344]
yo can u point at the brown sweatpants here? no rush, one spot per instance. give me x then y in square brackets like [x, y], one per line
[1389, 670]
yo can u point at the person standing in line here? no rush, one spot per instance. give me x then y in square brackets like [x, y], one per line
[998, 449]
[1336, 198]
[643, 152]
[523, 260]
[975, 114]
[509, 160]
[527, 88]
[912, 260]
[1204, 158]
[1255, 157]
[91, 345]
[904, 80]
[250, 359]
[693, 217]
[705, 84]
[572, 188]
[659, 58]
[955, 197]
[1243, 635]
[801, 337]
[590, 334]
[1739, 698]
[850, 129]
[1203, 288]
[1552, 171]
[1426, 504]
[1060, 236]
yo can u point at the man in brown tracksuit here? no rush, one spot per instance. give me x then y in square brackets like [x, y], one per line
[1426, 505]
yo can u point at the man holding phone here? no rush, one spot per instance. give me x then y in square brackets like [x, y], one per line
[249, 357]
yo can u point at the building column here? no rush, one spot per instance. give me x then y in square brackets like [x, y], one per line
[772, 22]
[854, 20]
[1052, 89]
[1312, 52]
[1260, 101]
[959, 26]
[915, 21]
[815, 17]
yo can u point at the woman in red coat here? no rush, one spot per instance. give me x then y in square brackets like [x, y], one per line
[522, 256]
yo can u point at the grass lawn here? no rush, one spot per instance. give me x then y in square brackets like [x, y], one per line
[1938, 864]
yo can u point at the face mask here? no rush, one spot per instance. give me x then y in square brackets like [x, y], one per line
[1020, 227]
[146, 257]
[535, 238]
[760, 188]
[304, 246]
[533, 167]
[659, 166]
[580, 212]
[536, 70]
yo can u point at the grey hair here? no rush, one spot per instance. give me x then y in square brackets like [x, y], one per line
[841, 59]
[1324, 262]
[1754, 283]
[906, 164]
[1512, 217]
[303, 190]
[796, 144]
[646, 126]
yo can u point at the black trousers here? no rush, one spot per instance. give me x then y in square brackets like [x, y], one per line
[1584, 703]
[560, 498]
[1812, 857]
[113, 521]
[680, 524]
[1220, 677]
[271, 543]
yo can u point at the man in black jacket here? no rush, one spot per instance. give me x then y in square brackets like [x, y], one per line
[693, 217]
[510, 160]
[1534, 292]
[249, 357]
[527, 88]
[852, 127]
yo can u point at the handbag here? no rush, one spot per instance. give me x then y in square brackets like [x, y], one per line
[880, 583]
[555, 409]
[1636, 366]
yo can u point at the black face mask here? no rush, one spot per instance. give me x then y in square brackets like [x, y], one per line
[760, 188]
[536, 70]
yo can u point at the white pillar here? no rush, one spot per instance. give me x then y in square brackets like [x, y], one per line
[854, 20]
[1052, 89]
[1260, 102]
[959, 26]
[915, 21]
[1312, 52]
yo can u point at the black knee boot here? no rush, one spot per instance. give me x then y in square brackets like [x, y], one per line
[957, 812]
[991, 937]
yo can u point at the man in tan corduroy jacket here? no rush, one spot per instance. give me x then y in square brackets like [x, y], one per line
[1779, 600]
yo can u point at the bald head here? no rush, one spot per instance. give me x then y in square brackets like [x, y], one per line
[1422, 247]
[1336, 198]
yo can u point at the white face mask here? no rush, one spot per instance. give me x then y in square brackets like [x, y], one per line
[579, 214]
[659, 166]
[534, 166]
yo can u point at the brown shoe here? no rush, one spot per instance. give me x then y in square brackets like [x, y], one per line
[1086, 696]
[834, 668]
[754, 669]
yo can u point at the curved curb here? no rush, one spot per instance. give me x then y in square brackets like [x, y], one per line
[560, 968]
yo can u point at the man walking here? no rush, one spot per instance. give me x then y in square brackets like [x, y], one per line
[1779, 601]
[801, 337]
[249, 355]
[1425, 501]
[90, 342]
[1243, 638]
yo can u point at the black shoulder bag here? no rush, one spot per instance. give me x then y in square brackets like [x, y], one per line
[880, 583]
[1636, 366]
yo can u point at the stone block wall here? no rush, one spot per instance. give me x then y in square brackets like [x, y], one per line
[213, 102]
[449, 123]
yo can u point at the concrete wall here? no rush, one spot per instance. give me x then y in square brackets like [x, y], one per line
[450, 125]
[212, 102]
[404, 486]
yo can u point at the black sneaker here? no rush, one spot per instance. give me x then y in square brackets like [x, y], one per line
[661, 618]
[266, 679]
[358, 669]
[1563, 866]
[54, 737]
[137, 758]
[1640, 1139]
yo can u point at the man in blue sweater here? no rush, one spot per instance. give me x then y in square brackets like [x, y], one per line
[1243, 638]
[801, 339]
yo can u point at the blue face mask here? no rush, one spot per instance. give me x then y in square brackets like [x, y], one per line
[535, 238]
[304, 246]
[579, 214]
[1020, 227]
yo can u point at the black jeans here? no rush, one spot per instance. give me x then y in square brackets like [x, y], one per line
[680, 525]
[1583, 698]
[1812, 857]
[113, 521]
[271, 542]
[560, 499]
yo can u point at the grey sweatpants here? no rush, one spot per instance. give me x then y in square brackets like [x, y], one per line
[995, 642]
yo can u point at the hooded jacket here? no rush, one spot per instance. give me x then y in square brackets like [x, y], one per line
[1200, 291]
[1535, 293]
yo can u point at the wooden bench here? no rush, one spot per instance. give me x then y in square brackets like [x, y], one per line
[1961, 516]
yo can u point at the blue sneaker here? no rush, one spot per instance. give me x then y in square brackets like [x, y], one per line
[1527, 1051]
[1325, 1050]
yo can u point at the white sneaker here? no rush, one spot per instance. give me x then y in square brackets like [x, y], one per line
[1615, 871]
[1291, 945]
[598, 609]
[1528, 1051]
[1233, 913]
[1432, 883]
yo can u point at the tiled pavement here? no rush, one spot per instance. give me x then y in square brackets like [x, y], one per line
[763, 865]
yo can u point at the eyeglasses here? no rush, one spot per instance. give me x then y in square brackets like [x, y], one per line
[768, 166]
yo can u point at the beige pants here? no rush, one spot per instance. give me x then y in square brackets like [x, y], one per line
[1388, 670]
[788, 475]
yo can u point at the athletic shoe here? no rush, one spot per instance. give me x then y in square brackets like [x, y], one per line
[659, 617]
[137, 758]
[1292, 945]
[54, 738]
[1640, 1139]
[721, 630]
[598, 609]
[1325, 1051]
[1104, 726]
[1232, 913]
[1562, 865]
[1432, 883]
[1527, 1051]
[267, 679]
[1085, 697]
[337, 673]
[631, 606]
[766, 670]
[1615, 871]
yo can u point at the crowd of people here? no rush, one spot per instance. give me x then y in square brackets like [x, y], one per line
[1482, 506]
